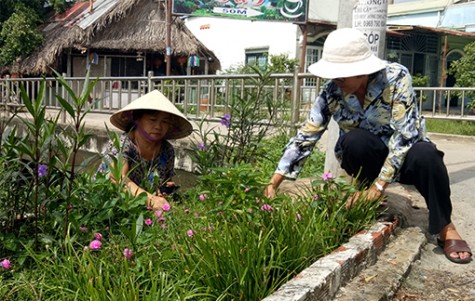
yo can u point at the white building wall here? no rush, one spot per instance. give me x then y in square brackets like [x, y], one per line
[229, 38]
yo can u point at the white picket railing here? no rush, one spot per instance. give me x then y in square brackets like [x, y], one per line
[208, 97]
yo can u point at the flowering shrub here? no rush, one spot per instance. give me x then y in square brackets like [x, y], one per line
[224, 241]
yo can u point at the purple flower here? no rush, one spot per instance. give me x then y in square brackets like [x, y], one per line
[226, 120]
[202, 146]
[166, 207]
[267, 207]
[5, 264]
[190, 233]
[42, 170]
[128, 253]
[327, 176]
[95, 244]
[148, 222]
[98, 236]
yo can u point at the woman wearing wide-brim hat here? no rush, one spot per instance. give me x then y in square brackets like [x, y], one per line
[148, 122]
[382, 135]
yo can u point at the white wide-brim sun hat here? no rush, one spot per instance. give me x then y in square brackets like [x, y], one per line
[346, 53]
[155, 101]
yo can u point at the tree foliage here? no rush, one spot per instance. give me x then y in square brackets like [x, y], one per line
[464, 70]
[19, 35]
[19, 21]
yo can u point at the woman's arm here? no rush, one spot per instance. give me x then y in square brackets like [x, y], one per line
[156, 202]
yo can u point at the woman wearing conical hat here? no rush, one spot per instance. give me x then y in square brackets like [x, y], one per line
[148, 123]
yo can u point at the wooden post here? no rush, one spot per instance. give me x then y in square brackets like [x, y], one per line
[168, 50]
[443, 75]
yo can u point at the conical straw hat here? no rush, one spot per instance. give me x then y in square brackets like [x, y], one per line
[154, 100]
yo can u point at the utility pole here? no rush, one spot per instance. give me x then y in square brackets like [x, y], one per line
[371, 20]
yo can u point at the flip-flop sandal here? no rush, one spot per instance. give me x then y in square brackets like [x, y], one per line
[455, 246]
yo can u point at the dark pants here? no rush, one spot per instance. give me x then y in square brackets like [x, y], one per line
[364, 155]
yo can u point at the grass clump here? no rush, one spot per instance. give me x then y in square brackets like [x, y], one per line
[455, 127]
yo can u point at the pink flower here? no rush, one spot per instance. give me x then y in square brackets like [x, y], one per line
[128, 253]
[82, 228]
[149, 208]
[158, 213]
[299, 217]
[98, 236]
[315, 197]
[190, 233]
[161, 219]
[95, 245]
[203, 197]
[164, 226]
[148, 222]
[166, 207]
[266, 207]
[247, 189]
[327, 176]
[187, 210]
[5, 264]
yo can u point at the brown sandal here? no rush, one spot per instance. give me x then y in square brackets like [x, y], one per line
[455, 246]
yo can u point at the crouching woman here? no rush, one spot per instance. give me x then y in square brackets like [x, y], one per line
[148, 157]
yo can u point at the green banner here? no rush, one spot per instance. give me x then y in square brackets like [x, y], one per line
[294, 11]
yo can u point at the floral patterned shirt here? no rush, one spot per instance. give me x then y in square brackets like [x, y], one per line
[148, 174]
[389, 111]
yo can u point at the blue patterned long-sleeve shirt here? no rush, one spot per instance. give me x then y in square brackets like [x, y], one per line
[389, 111]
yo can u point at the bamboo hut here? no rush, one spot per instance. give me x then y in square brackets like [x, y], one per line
[117, 38]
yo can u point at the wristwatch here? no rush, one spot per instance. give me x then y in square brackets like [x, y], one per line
[379, 186]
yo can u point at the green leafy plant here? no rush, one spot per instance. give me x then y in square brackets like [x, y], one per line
[420, 80]
[242, 129]
[463, 71]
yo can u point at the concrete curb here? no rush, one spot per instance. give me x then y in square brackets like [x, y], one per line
[326, 276]
[381, 280]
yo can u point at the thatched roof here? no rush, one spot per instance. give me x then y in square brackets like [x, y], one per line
[118, 25]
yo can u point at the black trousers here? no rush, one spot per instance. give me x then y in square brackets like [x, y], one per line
[364, 155]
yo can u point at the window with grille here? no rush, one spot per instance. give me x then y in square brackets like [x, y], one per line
[314, 53]
[257, 57]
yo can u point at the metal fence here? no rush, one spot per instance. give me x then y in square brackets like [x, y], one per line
[208, 97]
